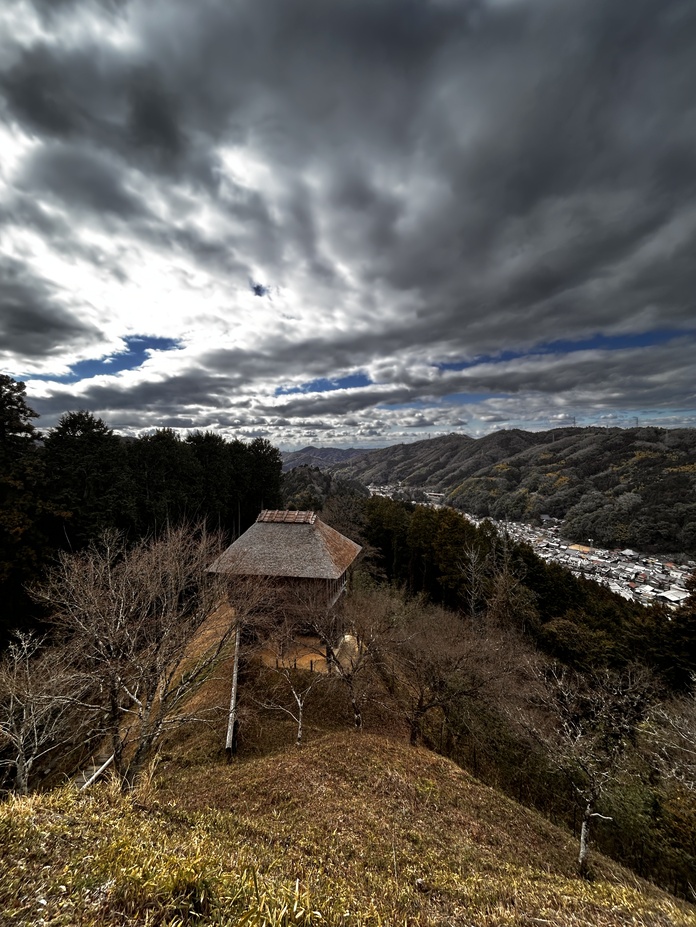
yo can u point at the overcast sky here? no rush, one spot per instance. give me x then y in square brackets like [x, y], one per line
[349, 222]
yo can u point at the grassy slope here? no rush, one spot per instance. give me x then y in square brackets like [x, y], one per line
[357, 819]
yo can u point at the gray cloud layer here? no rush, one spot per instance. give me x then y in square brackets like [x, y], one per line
[33, 322]
[427, 180]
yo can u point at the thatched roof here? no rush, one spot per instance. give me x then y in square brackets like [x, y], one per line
[293, 544]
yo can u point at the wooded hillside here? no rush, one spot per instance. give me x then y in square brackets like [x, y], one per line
[550, 688]
[631, 487]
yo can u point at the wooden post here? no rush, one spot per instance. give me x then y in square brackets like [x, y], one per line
[97, 773]
[231, 742]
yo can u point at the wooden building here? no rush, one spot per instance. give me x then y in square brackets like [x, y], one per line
[295, 549]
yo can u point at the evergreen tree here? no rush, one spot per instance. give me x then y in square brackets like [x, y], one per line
[88, 479]
[16, 429]
[217, 484]
[167, 481]
[265, 471]
[22, 506]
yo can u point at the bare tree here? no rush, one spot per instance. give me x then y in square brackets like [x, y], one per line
[355, 636]
[588, 725]
[474, 569]
[287, 653]
[39, 690]
[441, 661]
[671, 728]
[510, 603]
[132, 612]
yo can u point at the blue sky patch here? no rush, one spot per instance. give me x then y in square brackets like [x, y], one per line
[595, 343]
[322, 385]
[136, 353]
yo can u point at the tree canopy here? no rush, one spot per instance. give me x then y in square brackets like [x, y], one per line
[62, 492]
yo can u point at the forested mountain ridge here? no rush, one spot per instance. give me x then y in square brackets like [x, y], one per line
[623, 487]
[319, 457]
[432, 462]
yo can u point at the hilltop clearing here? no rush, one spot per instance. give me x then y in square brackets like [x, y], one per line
[353, 829]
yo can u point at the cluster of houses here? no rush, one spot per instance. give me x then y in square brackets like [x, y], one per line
[635, 576]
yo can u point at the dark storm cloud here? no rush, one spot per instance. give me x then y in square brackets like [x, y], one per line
[307, 359]
[157, 404]
[565, 172]
[33, 322]
[154, 121]
[118, 102]
[655, 377]
[64, 92]
[82, 179]
[341, 402]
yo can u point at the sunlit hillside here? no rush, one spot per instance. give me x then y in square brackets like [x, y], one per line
[352, 829]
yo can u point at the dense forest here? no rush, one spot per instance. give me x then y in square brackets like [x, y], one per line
[61, 489]
[633, 487]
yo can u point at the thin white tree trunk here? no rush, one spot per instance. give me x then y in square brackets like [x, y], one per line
[585, 834]
[584, 838]
[298, 742]
[95, 775]
[233, 698]
[21, 775]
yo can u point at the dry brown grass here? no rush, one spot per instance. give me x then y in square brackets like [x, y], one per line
[353, 829]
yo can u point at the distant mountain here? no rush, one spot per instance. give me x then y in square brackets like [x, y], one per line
[318, 457]
[429, 463]
[438, 463]
[621, 487]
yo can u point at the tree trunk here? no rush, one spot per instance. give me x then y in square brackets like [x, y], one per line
[135, 768]
[147, 737]
[584, 839]
[115, 732]
[298, 741]
[21, 776]
[416, 726]
[357, 714]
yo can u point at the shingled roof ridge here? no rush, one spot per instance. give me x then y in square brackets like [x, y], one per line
[287, 516]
